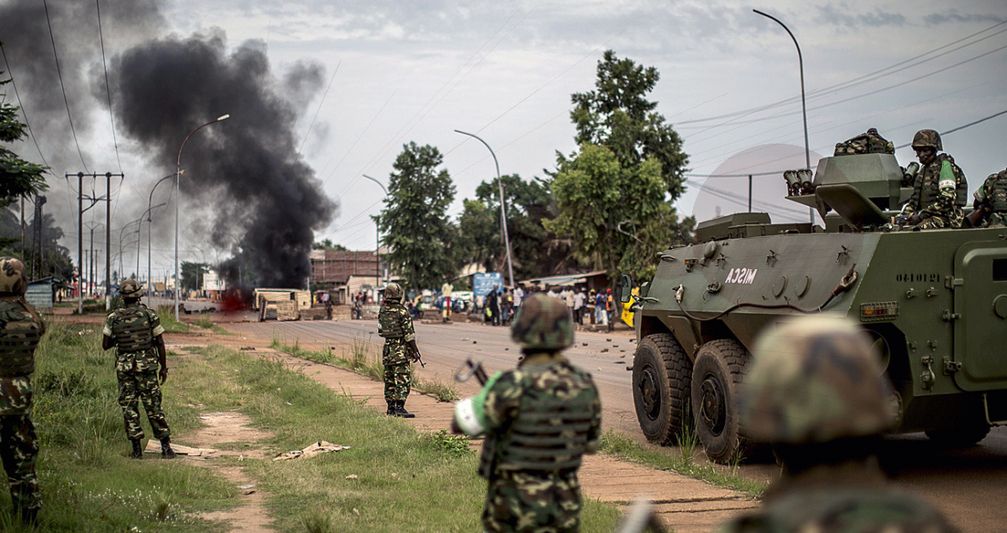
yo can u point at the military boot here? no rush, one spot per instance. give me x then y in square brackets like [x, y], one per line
[166, 451]
[391, 408]
[29, 516]
[137, 452]
[400, 410]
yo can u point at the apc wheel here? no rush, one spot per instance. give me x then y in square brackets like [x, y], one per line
[716, 374]
[963, 436]
[661, 388]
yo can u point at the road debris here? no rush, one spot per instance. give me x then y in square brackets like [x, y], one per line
[316, 448]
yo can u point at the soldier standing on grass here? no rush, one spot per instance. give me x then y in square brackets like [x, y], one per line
[818, 395]
[20, 331]
[539, 420]
[395, 325]
[140, 366]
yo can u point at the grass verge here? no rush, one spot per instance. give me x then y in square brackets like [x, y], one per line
[168, 322]
[363, 362]
[391, 479]
[626, 448]
[87, 481]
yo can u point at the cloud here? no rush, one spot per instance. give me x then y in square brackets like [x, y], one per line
[954, 16]
[841, 15]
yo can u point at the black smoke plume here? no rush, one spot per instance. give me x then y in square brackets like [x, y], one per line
[255, 194]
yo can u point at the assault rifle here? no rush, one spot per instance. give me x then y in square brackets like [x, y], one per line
[471, 369]
[417, 356]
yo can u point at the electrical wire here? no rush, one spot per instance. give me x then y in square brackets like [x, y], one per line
[108, 91]
[55, 56]
[319, 108]
[21, 107]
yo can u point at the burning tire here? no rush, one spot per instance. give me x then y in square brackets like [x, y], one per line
[661, 388]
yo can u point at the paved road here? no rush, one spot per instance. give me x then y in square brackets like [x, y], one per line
[969, 485]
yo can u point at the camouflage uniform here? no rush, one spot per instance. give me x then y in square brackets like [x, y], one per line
[940, 188]
[816, 390]
[870, 142]
[992, 197]
[396, 327]
[134, 329]
[539, 420]
[20, 331]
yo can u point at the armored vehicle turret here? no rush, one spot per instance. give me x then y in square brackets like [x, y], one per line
[935, 303]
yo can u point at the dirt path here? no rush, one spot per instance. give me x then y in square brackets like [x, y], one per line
[684, 504]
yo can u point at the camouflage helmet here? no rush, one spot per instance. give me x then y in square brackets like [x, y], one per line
[130, 289]
[543, 323]
[815, 379]
[927, 139]
[393, 292]
[12, 278]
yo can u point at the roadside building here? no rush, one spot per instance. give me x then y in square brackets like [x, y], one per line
[344, 273]
[596, 280]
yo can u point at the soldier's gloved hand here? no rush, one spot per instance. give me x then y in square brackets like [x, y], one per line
[900, 220]
[163, 375]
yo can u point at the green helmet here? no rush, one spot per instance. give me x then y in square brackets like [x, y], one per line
[543, 323]
[927, 139]
[815, 379]
[131, 289]
[12, 278]
[393, 292]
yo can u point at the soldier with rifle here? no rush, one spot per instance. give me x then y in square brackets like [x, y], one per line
[539, 420]
[396, 327]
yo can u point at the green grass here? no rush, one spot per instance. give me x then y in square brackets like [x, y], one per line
[87, 481]
[363, 362]
[167, 316]
[626, 448]
[206, 323]
[404, 480]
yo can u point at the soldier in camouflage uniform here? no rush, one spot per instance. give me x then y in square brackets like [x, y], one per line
[539, 420]
[991, 200]
[940, 188]
[20, 331]
[817, 393]
[140, 366]
[396, 326]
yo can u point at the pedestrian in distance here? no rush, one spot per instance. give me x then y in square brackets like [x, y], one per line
[395, 325]
[141, 366]
[817, 393]
[21, 329]
[578, 306]
[539, 420]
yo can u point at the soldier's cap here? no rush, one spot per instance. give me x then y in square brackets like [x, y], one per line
[815, 379]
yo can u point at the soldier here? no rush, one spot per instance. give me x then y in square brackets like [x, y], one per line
[396, 326]
[20, 331]
[940, 188]
[817, 393]
[141, 366]
[539, 420]
[991, 202]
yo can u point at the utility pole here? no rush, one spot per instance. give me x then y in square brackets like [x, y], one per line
[80, 226]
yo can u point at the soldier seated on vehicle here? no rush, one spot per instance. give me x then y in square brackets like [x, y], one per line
[817, 394]
[870, 142]
[990, 202]
[939, 190]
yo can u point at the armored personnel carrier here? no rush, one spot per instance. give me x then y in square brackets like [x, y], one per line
[935, 303]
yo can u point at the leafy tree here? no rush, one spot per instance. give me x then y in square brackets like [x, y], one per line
[536, 251]
[192, 275]
[616, 216]
[18, 178]
[414, 222]
[327, 244]
[617, 114]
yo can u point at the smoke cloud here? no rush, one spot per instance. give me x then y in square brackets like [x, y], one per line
[259, 198]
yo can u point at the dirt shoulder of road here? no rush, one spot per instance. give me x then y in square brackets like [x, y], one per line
[683, 503]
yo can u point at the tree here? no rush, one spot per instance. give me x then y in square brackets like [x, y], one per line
[327, 244]
[192, 275]
[18, 178]
[616, 216]
[617, 114]
[536, 251]
[414, 222]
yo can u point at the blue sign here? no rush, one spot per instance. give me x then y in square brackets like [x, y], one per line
[484, 282]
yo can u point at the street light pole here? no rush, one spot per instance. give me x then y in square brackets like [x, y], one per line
[804, 108]
[377, 242]
[503, 209]
[150, 198]
[146, 215]
[178, 198]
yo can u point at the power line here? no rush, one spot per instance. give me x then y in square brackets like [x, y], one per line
[108, 92]
[21, 105]
[55, 56]
[319, 108]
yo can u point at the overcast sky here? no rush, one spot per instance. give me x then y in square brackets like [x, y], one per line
[414, 71]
